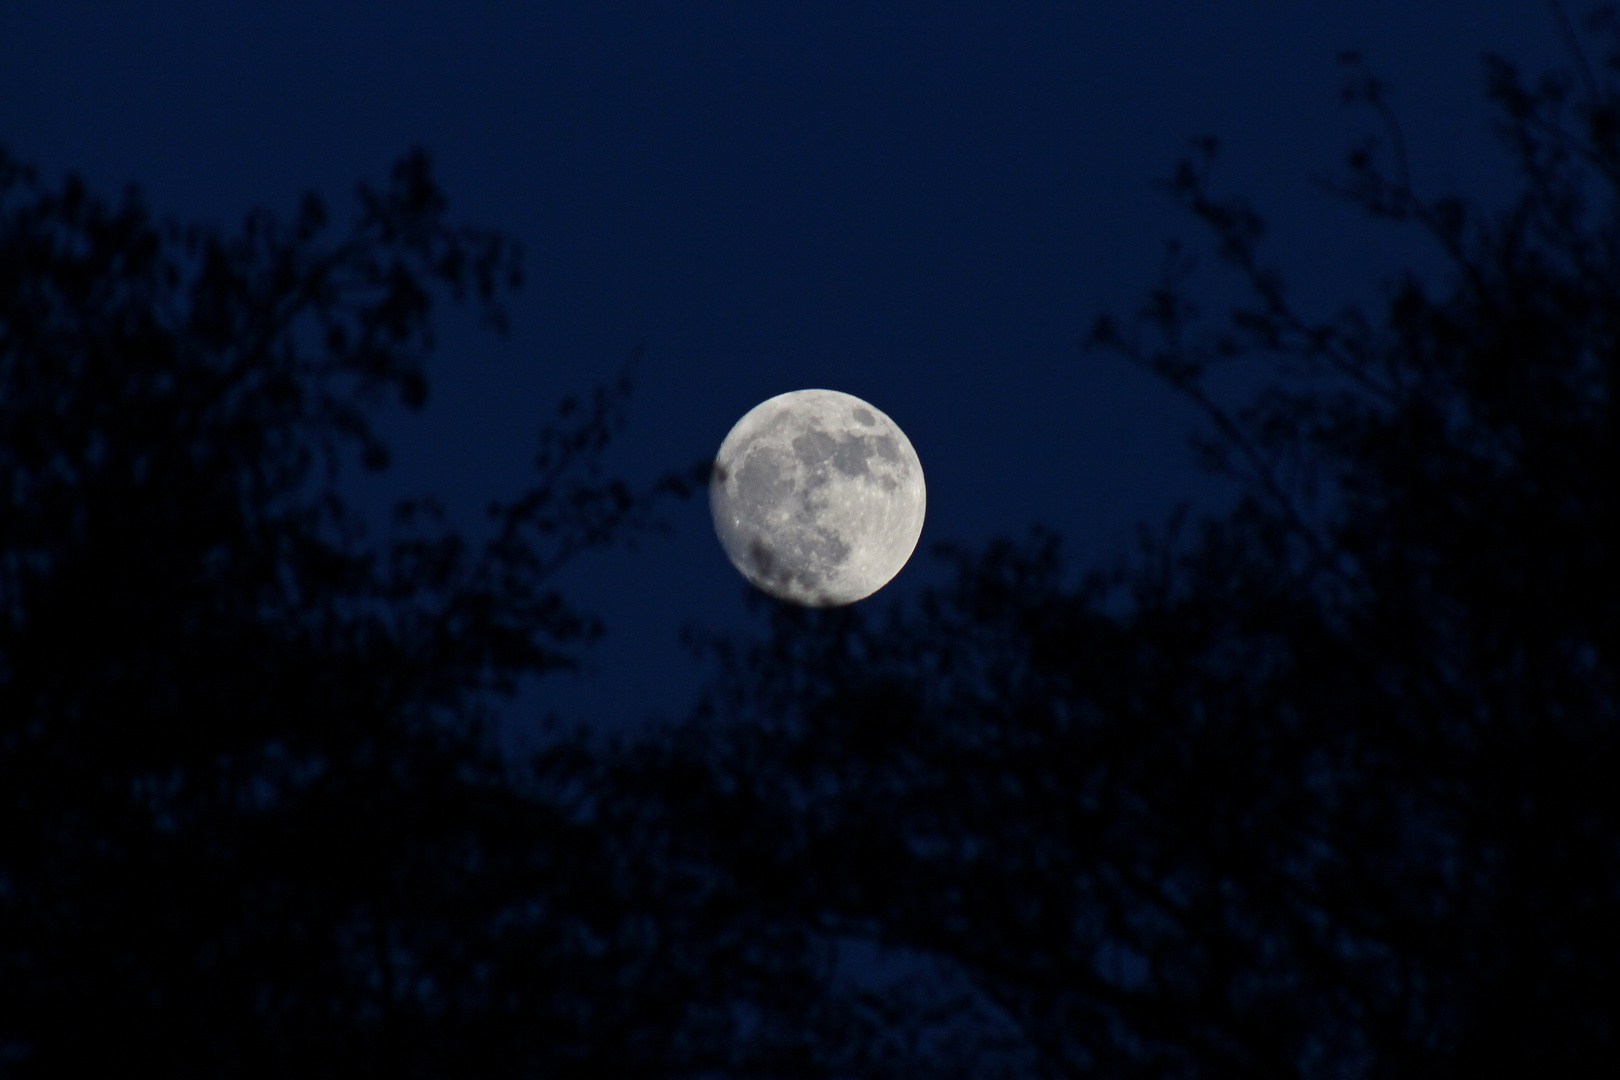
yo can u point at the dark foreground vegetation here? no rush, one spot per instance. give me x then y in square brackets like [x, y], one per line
[1320, 787]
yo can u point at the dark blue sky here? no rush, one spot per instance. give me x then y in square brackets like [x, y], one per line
[922, 204]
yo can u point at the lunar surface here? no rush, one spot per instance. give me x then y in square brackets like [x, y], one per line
[818, 498]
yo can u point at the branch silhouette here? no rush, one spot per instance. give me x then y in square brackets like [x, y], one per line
[1316, 787]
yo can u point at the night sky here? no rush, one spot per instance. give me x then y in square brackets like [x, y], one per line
[925, 205]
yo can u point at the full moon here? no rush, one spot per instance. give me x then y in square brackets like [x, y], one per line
[817, 498]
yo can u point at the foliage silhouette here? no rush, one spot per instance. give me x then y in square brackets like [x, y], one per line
[1314, 788]
[250, 819]
[1319, 787]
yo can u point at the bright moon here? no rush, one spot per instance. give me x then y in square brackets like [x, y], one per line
[817, 497]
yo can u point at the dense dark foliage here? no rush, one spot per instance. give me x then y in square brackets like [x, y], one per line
[1317, 787]
[250, 820]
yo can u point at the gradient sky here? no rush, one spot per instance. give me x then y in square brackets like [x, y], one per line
[922, 204]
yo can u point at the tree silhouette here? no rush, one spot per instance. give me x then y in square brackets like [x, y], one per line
[250, 821]
[1313, 788]
[1317, 787]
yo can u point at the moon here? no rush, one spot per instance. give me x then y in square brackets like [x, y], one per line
[817, 498]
